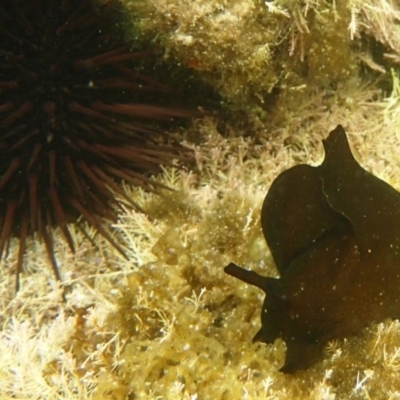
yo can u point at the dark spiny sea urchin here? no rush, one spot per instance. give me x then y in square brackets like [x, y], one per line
[71, 126]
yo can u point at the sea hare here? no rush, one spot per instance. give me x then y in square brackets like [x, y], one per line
[334, 234]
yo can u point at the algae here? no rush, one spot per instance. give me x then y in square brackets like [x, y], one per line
[168, 323]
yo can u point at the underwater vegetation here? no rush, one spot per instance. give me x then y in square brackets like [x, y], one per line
[333, 231]
[77, 112]
[168, 323]
[256, 51]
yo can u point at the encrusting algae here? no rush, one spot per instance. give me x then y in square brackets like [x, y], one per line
[167, 323]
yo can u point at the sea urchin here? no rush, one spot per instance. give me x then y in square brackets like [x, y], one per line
[71, 126]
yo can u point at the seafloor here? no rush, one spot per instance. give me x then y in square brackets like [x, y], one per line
[168, 323]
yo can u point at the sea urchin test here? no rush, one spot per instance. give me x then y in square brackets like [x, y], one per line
[77, 116]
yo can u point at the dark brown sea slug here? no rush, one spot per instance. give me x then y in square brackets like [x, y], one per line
[334, 234]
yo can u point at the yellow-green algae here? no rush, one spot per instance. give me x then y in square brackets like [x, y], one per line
[168, 324]
[248, 48]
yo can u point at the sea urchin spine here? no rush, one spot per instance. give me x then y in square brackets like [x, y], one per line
[71, 122]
